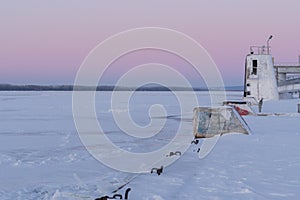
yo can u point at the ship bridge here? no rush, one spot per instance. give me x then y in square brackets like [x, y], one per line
[288, 78]
[269, 81]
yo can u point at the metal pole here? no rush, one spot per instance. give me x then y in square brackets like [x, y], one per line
[268, 46]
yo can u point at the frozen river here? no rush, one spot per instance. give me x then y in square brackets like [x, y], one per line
[42, 157]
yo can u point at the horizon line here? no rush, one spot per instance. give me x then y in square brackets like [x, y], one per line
[69, 87]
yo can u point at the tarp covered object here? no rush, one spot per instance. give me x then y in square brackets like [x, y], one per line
[211, 121]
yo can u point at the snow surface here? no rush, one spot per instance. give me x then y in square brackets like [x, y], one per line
[42, 157]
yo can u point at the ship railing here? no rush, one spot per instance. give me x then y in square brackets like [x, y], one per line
[260, 50]
[284, 64]
[293, 77]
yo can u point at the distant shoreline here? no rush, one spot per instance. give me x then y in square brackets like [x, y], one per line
[10, 87]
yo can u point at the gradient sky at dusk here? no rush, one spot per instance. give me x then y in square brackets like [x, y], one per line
[45, 42]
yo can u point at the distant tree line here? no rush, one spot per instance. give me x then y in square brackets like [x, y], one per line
[9, 87]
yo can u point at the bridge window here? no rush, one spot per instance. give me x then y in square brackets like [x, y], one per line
[254, 67]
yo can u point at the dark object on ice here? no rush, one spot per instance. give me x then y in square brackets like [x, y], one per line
[127, 192]
[177, 153]
[260, 104]
[158, 170]
[116, 196]
[103, 198]
[198, 150]
[195, 141]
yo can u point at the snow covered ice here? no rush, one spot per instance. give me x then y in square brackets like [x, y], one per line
[42, 157]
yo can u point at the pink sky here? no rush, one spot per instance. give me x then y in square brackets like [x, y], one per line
[45, 43]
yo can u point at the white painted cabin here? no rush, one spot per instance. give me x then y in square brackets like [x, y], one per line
[260, 79]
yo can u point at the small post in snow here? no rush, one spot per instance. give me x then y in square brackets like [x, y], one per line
[260, 103]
